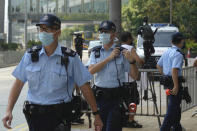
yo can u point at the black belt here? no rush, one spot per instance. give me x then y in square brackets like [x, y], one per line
[107, 93]
[107, 89]
[129, 83]
[42, 109]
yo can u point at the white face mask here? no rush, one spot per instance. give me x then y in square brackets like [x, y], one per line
[104, 38]
[46, 38]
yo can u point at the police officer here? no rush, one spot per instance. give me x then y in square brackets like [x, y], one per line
[51, 82]
[109, 65]
[127, 42]
[79, 45]
[170, 65]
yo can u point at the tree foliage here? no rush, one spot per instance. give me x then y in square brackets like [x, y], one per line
[184, 14]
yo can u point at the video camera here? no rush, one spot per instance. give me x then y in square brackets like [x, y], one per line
[120, 47]
[148, 35]
[77, 34]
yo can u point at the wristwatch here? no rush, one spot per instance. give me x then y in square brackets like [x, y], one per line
[95, 113]
[133, 62]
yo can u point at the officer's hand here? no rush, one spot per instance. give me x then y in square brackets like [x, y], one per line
[115, 53]
[174, 91]
[127, 55]
[7, 120]
[98, 123]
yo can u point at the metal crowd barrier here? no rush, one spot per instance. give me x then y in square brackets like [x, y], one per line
[156, 105]
[190, 74]
[154, 102]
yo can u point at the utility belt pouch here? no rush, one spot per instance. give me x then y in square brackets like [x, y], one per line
[166, 81]
[98, 93]
[185, 95]
[107, 93]
[26, 111]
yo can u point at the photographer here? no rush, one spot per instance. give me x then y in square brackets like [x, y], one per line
[170, 65]
[127, 42]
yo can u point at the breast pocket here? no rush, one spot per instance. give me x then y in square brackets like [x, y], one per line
[58, 77]
[33, 75]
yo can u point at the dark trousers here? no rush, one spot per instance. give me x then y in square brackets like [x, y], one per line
[173, 115]
[110, 114]
[44, 122]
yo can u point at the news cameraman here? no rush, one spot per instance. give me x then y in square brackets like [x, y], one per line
[170, 66]
[130, 83]
[79, 44]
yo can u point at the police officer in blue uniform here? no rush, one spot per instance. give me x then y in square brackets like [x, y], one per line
[170, 65]
[109, 64]
[51, 72]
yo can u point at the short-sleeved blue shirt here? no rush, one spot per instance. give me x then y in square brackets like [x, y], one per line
[107, 77]
[171, 59]
[48, 79]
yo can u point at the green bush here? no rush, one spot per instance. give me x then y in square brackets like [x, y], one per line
[10, 46]
[13, 46]
[3, 46]
[33, 43]
[192, 45]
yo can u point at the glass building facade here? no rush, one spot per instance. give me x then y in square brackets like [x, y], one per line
[96, 10]
[60, 6]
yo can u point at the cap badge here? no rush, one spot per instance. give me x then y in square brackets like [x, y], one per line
[46, 17]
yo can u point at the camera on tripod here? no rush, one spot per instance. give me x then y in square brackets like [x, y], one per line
[77, 34]
[146, 32]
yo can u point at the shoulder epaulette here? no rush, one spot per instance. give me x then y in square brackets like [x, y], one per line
[35, 48]
[67, 51]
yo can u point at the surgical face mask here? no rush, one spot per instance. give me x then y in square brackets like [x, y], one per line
[104, 38]
[46, 38]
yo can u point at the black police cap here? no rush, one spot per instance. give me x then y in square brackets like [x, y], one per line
[107, 25]
[49, 20]
[177, 37]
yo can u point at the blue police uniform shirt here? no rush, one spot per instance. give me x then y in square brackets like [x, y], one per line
[171, 59]
[48, 79]
[107, 76]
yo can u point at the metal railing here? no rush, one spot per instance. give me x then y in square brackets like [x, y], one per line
[156, 104]
[190, 74]
[153, 99]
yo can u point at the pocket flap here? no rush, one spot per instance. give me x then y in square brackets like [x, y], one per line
[33, 68]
